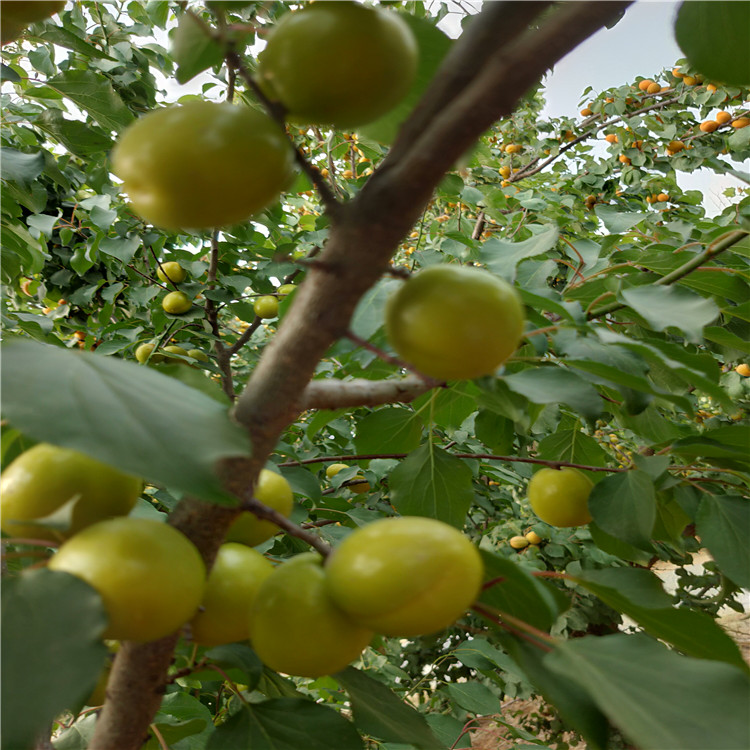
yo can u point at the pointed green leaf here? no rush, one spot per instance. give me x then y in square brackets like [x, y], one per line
[474, 697]
[193, 49]
[399, 429]
[618, 222]
[659, 699]
[502, 256]
[554, 385]
[573, 446]
[93, 393]
[723, 524]
[378, 711]
[624, 505]
[52, 651]
[430, 482]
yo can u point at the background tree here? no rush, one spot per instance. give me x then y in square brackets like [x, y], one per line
[630, 370]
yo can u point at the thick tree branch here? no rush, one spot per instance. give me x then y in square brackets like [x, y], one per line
[339, 394]
[364, 235]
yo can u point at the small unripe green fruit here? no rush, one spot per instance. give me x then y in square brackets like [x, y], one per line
[334, 469]
[171, 271]
[272, 490]
[176, 303]
[560, 497]
[175, 350]
[285, 289]
[266, 306]
[144, 350]
[201, 356]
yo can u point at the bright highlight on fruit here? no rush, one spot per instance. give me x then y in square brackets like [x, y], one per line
[455, 322]
[232, 586]
[405, 576]
[44, 478]
[176, 303]
[560, 497]
[266, 306]
[150, 577]
[272, 490]
[297, 628]
[202, 164]
[171, 271]
[338, 63]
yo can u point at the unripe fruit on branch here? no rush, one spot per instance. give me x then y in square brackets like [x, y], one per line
[144, 350]
[455, 322]
[150, 577]
[46, 477]
[338, 63]
[171, 271]
[231, 589]
[297, 628]
[405, 576]
[708, 126]
[723, 117]
[202, 165]
[334, 469]
[266, 306]
[272, 490]
[560, 496]
[176, 303]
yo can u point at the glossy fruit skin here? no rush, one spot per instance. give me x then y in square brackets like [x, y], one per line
[150, 577]
[17, 15]
[176, 303]
[171, 271]
[334, 469]
[272, 490]
[175, 350]
[743, 369]
[202, 164]
[518, 542]
[338, 63]
[44, 478]
[405, 576]
[454, 322]
[201, 356]
[533, 538]
[143, 351]
[560, 497]
[285, 289]
[266, 306]
[232, 586]
[296, 628]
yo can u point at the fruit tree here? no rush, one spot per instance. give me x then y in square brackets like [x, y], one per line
[442, 384]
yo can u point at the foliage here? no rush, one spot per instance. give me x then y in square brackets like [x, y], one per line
[638, 314]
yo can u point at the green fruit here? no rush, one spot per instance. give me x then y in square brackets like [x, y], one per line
[150, 577]
[230, 592]
[44, 478]
[296, 628]
[272, 490]
[175, 350]
[202, 164]
[144, 350]
[18, 14]
[171, 271]
[266, 306]
[560, 497]
[339, 63]
[285, 289]
[176, 303]
[334, 469]
[405, 576]
[199, 355]
[455, 322]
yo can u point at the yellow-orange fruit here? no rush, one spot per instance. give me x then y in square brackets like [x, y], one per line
[708, 126]
[644, 84]
[741, 122]
[653, 88]
[662, 197]
[611, 138]
[624, 159]
[722, 117]
[675, 146]
[689, 80]
[743, 369]
[586, 112]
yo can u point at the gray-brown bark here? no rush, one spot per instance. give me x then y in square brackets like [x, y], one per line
[489, 69]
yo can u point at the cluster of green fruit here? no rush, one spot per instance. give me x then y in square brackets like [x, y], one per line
[267, 305]
[402, 576]
[204, 165]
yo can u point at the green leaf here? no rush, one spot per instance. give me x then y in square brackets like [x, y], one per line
[20, 167]
[624, 505]
[433, 45]
[723, 524]
[473, 697]
[450, 406]
[726, 338]
[181, 719]
[370, 312]
[193, 48]
[502, 256]
[238, 656]
[666, 306]
[573, 446]
[618, 222]
[639, 594]
[64, 37]
[659, 699]
[495, 431]
[92, 393]
[52, 651]
[122, 248]
[95, 95]
[575, 706]
[520, 594]
[554, 385]
[712, 451]
[430, 482]
[285, 724]
[713, 36]
[77, 137]
[379, 712]
[399, 429]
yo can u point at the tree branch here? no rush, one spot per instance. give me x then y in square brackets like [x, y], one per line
[339, 394]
